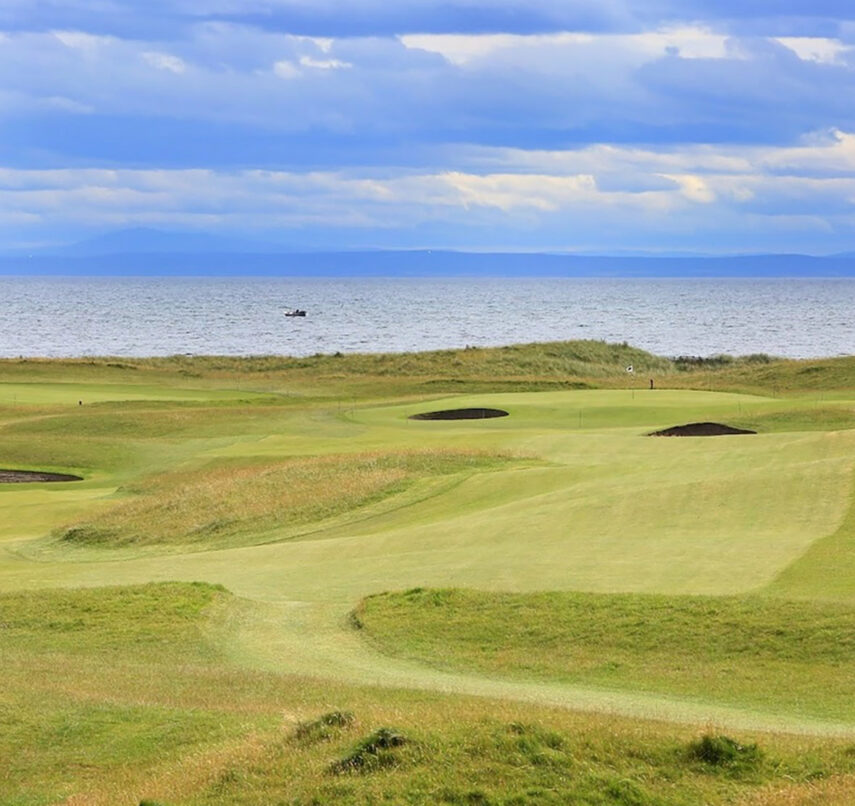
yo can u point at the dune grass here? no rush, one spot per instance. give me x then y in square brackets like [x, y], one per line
[520, 367]
[240, 504]
[753, 651]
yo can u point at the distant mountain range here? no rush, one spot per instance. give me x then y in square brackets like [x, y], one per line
[146, 252]
[142, 240]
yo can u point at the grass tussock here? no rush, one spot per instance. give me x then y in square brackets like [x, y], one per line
[239, 504]
[722, 751]
[796, 657]
[324, 728]
[477, 757]
[376, 751]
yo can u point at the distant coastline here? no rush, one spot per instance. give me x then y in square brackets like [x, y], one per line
[419, 263]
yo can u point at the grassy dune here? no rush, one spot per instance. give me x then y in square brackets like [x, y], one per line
[617, 598]
[522, 367]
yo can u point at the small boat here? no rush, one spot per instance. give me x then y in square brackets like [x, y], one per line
[294, 312]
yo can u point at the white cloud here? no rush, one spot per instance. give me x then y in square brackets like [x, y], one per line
[816, 49]
[656, 183]
[286, 69]
[82, 41]
[693, 187]
[511, 191]
[689, 42]
[460, 49]
[324, 64]
[164, 61]
[322, 43]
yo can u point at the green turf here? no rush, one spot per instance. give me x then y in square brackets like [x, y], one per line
[754, 651]
[174, 453]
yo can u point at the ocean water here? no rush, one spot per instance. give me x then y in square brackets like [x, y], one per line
[56, 316]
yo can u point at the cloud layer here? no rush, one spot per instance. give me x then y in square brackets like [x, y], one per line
[608, 126]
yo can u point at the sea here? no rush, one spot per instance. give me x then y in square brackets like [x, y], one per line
[155, 316]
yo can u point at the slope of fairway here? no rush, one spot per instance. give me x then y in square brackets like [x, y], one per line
[795, 657]
[827, 568]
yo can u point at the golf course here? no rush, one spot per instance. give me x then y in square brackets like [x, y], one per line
[471, 576]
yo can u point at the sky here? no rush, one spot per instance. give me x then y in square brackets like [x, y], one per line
[594, 126]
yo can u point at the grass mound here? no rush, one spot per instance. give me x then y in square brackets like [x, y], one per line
[239, 504]
[473, 756]
[785, 656]
[375, 751]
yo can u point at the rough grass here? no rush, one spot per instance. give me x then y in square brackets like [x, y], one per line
[138, 620]
[518, 360]
[229, 504]
[119, 695]
[796, 657]
[484, 756]
[521, 367]
[57, 736]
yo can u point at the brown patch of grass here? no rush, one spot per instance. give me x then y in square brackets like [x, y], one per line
[232, 504]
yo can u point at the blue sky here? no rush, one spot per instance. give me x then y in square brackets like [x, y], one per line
[609, 126]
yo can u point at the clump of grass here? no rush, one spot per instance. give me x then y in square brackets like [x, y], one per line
[237, 504]
[722, 751]
[375, 751]
[323, 728]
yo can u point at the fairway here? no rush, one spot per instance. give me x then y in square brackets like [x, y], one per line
[303, 501]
